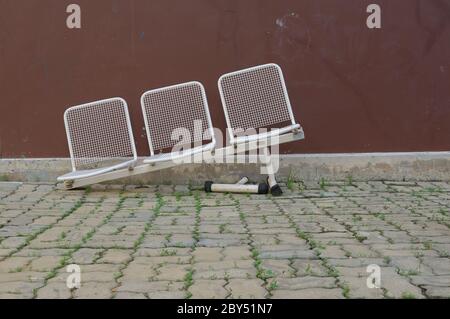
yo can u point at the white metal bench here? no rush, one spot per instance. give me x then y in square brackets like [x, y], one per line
[257, 109]
[177, 107]
[256, 98]
[100, 138]
[102, 146]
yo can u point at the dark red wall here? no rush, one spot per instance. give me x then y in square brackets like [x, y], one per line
[353, 89]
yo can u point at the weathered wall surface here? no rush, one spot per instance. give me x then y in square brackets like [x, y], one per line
[353, 89]
[306, 167]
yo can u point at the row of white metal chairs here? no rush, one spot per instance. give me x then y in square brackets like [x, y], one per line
[100, 135]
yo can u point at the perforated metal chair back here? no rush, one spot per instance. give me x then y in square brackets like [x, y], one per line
[255, 98]
[99, 134]
[182, 106]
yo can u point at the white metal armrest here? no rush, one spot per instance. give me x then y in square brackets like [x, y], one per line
[96, 171]
[266, 135]
[165, 157]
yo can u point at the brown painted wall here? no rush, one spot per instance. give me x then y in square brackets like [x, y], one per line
[353, 89]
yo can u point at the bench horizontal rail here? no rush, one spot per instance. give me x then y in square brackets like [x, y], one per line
[142, 168]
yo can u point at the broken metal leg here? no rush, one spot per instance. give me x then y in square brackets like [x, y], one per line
[275, 189]
[68, 184]
[239, 187]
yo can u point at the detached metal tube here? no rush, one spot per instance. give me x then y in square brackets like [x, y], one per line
[211, 187]
[243, 181]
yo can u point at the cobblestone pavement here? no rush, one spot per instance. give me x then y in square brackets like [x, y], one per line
[315, 241]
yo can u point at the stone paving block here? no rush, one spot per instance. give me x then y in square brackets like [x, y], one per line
[34, 253]
[149, 286]
[224, 265]
[129, 295]
[398, 287]
[86, 255]
[94, 291]
[14, 264]
[207, 254]
[19, 287]
[166, 294]
[25, 276]
[237, 252]
[360, 251]
[437, 292]
[443, 248]
[45, 220]
[264, 240]
[180, 241]
[45, 263]
[23, 295]
[431, 280]
[5, 252]
[54, 291]
[333, 252]
[305, 267]
[410, 265]
[98, 277]
[287, 254]
[439, 266]
[208, 289]
[246, 289]
[345, 227]
[280, 268]
[13, 242]
[313, 293]
[171, 272]
[306, 283]
[220, 242]
[136, 272]
[357, 288]
[115, 256]
[154, 252]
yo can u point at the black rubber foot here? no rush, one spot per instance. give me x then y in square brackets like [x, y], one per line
[263, 188]
[208, 185]
[276, 190]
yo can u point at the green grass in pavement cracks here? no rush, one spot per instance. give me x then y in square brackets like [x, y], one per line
[67, 257]
[349, 181]
[291, 181]
[198, 208]
[223, 228]
[15, 270]
[167, 238]
[273, 285]
[33, 236]
[408, 295]
[413, 211]
[345, 290]
[408, 273]
[188, 278]
[168, 252]
[148, 225]
[432, 190]
[323, 184]
[317, 247]
[264, 274]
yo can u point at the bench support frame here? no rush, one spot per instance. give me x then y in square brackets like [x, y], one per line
[231, 150]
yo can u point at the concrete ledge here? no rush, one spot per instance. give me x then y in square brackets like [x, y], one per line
[426, 166]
